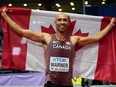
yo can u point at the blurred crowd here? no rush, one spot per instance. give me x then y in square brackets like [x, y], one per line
[88, 82]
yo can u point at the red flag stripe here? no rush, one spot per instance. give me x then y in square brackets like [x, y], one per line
[106, 65]
[14, 52]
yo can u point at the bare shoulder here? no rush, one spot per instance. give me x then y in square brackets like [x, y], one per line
[46, 34]
[74, 39]
[47, 37]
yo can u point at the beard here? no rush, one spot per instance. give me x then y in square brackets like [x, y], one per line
[63, 30]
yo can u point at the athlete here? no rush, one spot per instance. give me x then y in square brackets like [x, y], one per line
[59, 48]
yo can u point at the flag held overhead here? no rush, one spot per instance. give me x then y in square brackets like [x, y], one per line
[91, 61]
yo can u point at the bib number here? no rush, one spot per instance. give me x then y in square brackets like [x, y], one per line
[59, 64]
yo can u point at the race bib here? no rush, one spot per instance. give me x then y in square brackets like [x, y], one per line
[59, 64]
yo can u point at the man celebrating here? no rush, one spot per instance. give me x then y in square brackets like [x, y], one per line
[59, 47]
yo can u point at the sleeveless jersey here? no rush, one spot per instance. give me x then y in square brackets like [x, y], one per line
[59, 57]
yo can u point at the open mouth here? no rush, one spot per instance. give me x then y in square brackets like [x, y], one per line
[62, 26]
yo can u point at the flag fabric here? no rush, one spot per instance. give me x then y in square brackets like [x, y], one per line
[93, 61]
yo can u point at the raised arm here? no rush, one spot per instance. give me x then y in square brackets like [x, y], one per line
[92, 39]
[23, 32]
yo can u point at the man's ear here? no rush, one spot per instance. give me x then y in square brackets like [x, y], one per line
[68, 23]
[55, 22]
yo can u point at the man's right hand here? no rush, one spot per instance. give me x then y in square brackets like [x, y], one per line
[4, 12]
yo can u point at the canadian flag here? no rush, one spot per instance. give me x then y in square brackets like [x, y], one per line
[93, 61]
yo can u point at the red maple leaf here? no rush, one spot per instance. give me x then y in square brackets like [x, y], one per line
[70, 29]
[49, 30]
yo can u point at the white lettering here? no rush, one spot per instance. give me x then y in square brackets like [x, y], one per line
[61, 47]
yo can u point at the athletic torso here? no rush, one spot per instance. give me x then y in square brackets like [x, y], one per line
[59, 57]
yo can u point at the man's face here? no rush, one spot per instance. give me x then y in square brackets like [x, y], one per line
[62, 22]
